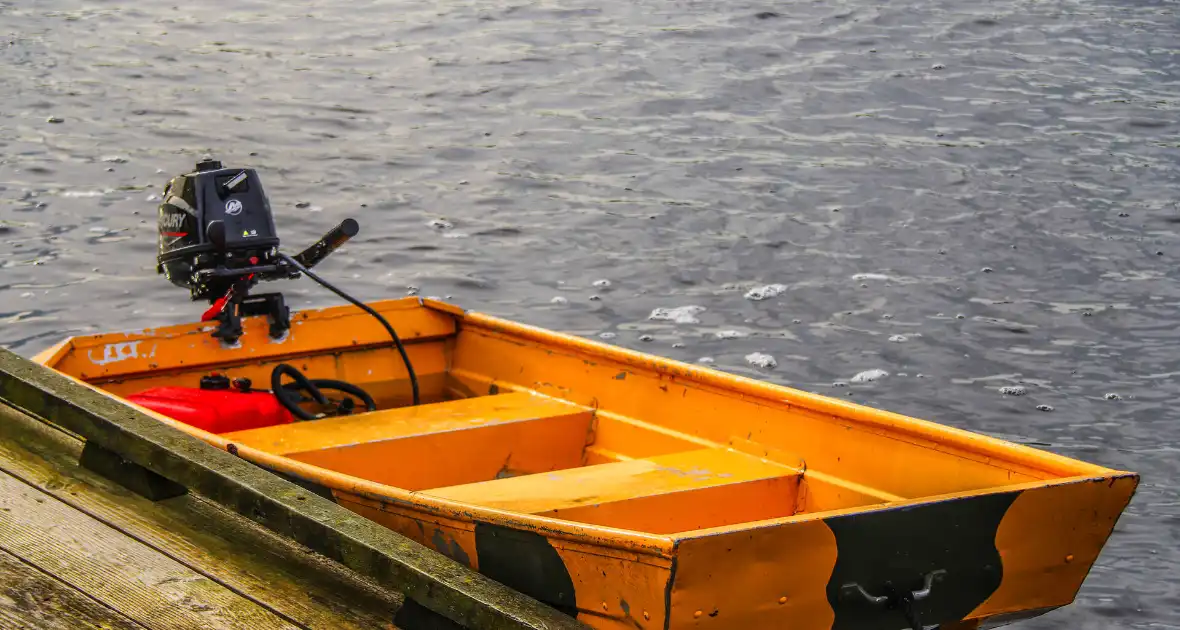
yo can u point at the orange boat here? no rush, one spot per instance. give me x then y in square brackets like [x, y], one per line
[625, 489]
[638, 492]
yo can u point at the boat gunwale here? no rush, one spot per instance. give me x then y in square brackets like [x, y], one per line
[1071, 470]
[891, 423]
[174, 332]
[898, 505]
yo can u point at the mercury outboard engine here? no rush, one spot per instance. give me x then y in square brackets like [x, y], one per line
[217, 238]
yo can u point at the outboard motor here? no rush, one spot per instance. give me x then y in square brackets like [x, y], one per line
[217, 238]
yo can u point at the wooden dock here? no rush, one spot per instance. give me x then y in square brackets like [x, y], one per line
[223, 545]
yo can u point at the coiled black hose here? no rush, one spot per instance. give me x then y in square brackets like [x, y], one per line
[396, 340]
[287, 394]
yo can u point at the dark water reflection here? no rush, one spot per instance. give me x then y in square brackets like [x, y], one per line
[985, 194]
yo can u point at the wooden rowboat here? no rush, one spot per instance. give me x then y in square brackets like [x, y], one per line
[637, 492]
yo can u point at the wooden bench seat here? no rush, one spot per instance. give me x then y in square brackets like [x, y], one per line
[438, 444]
[664, 494]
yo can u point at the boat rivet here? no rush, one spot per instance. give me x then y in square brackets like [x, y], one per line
[1069, 558]
[782, 600]
[646, 616]
[697, 614]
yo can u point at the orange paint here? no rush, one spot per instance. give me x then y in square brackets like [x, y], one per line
[630, 584]
[438, 444]
[795, 560]
[669, 493]
[1050, 538]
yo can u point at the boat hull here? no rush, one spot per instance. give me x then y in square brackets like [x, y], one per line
[1021, 551]
[633, 491]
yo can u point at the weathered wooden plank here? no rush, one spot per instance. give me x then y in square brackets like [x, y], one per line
[433, 580]
[131, 476]
[268, 569]
[118, 571]
[33, 600]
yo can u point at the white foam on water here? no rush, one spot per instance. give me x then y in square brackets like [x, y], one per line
[729, 334]
[1013, 390]
[679, 315]
[602, 283]
[761, 359]
[559, 300]
[868, 376]
[766, 292]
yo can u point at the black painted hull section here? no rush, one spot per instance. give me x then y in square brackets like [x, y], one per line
[527, 562]
[889, 554]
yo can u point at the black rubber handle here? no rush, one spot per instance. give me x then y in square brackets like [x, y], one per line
[339, 235]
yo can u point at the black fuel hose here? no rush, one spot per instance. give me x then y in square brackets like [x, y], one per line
[282, 392]
[361, 305]
[289, 398]
[348, 388]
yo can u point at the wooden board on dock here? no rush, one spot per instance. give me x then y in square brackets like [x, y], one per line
[80, 551]
[174, 533]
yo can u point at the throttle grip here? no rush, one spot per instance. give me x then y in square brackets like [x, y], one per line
[338, 236]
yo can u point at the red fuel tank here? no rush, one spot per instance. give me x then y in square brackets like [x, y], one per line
[215, 410]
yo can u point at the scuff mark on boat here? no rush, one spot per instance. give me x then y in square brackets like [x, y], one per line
[115, 352]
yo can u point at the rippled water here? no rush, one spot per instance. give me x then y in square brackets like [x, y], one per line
[965, 195]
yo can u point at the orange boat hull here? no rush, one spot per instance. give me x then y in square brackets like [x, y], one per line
[638, 492]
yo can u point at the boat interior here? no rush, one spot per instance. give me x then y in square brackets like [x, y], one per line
[534, 422]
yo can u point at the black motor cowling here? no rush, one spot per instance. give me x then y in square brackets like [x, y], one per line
[217, 239]
[232, 202]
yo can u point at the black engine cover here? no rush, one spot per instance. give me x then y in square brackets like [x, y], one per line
[213, 193]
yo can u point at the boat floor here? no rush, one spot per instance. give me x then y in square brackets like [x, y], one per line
[529, 454]
[80, 551]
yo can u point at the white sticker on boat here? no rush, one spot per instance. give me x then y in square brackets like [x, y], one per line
[115, 352]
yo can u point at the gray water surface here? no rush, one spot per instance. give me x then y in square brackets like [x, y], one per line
[966, 195]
